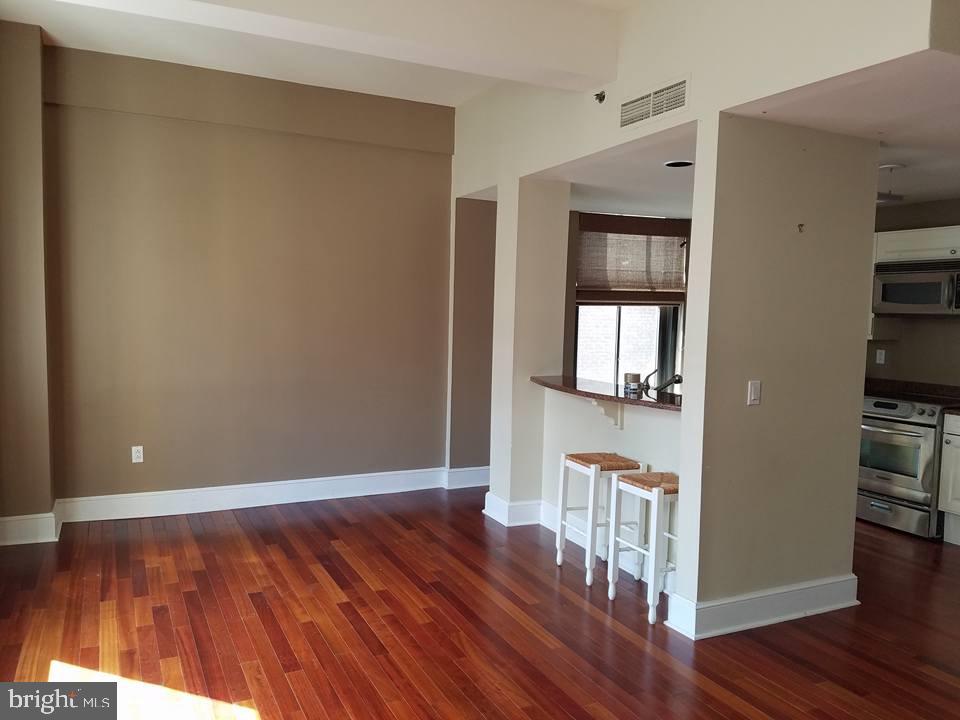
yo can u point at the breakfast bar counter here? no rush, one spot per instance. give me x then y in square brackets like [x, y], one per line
[608, 392]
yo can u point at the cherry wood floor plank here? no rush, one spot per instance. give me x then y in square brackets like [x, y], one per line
[210, 665]
[150, 669]
[9, 659]
[265, 702]
[190, 666]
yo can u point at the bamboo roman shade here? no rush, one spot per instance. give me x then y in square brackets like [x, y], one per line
[619, 253]
[612, 261]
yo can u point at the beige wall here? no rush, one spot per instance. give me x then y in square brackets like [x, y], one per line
[475, 247]
[919, 349]
[246, 298]
[25, 482]
[125, 84]
[778, 480]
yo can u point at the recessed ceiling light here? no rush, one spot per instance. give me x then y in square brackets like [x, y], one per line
[678, 163]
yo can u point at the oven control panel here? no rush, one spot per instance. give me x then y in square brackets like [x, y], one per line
[902, 410]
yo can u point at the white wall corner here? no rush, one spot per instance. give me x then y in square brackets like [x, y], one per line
[456, 478]
[24, 529]
[682, 615]
[766, 607]
[951, 528]
[511, 514]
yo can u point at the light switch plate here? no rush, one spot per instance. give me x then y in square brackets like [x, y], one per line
[136, 453]
[754, 388]
[881, 357]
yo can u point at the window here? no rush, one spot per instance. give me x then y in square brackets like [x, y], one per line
[630, 291]
[617, 339]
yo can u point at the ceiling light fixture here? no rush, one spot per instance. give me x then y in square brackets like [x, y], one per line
[678, 163]
[888, 197]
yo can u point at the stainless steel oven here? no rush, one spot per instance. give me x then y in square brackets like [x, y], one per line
[900, 465]
[916, 289]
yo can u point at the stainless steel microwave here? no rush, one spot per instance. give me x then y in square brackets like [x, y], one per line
[917, 288]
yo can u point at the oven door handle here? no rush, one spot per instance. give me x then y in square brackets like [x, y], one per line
[873, 428]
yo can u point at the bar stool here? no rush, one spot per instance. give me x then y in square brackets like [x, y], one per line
[660, 490]
[598, 469]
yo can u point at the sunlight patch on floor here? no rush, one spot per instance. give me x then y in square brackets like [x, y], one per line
[144, 701]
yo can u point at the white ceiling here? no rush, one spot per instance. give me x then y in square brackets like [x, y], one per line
[631, 179]
[910, 105]
[438, 51]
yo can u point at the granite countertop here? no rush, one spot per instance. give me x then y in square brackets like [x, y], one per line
[607, 392]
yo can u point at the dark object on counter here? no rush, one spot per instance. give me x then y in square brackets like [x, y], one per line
[673, 380]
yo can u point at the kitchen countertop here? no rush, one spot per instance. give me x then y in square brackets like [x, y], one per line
[607, 392]
[921, 393]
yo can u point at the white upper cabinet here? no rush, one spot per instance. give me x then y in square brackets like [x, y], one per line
[942, 243]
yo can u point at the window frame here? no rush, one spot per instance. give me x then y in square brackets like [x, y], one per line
[676, 327]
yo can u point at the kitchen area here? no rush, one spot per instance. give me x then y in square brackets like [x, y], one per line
[909, 470]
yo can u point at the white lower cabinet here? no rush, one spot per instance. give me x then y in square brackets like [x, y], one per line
[950, 466]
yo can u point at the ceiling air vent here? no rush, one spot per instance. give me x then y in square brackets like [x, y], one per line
[652, 104]
[635, 110]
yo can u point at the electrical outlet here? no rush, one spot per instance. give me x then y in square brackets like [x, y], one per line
[136, 454]
[881, 357]
[753, 392]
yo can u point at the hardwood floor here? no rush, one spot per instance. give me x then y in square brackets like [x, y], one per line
[415, 605]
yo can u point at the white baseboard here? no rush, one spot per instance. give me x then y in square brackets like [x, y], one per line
[45, 527]
[511, 514]
[24, 529]
[951, 528]
[457, 478]
[766, 607]
[231, 497]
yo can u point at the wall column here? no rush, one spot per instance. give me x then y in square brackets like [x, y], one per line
[779, 284]
[25, 481]
[528, 317]
[471, 335]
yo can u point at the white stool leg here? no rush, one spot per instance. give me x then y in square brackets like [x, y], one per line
[613, 529]
[591, 529]
[657, 554]
[603, 513]
[641, 535]
[562, 509]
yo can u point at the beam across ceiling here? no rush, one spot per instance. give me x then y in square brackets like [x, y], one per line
[562, 44]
